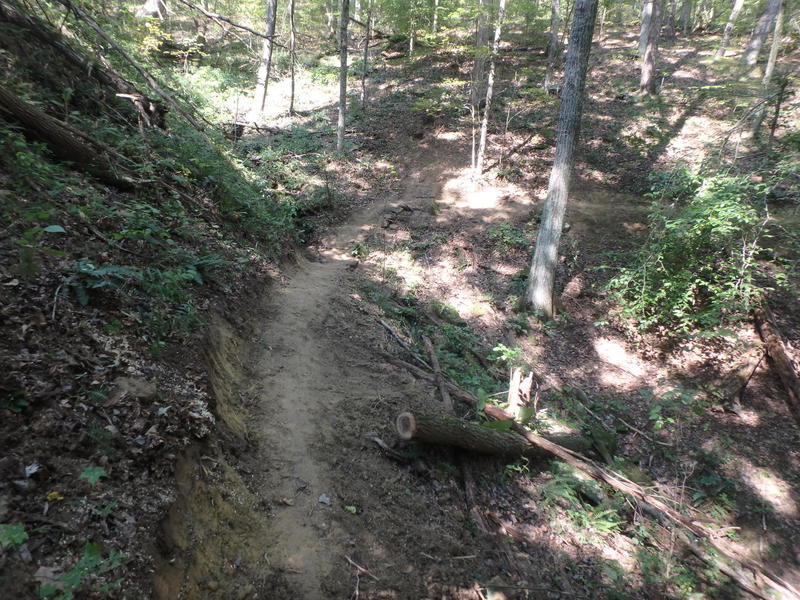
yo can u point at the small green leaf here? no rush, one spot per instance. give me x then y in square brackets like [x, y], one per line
[12, 536]
[350, 509]
[93, 474]
[54, 229]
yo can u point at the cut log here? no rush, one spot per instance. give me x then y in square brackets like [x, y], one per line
[781, 360]
[62, 138]
[452, 431]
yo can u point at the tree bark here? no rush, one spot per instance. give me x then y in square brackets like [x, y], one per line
[490, 87]
[553, 42]
[265, 65]
[292, 54]
[651, 31]
[780, 358]
[482, 30]
[343, 21]
[452, 431]
[686, 16]
[61, 138]
[726, 34]
[435, 24]
[760, 33]
[367, 40]
[758, 118]
[151, 112]
[539, 294]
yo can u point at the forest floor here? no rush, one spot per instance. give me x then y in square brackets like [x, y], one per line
[288, 495]
[306, 505]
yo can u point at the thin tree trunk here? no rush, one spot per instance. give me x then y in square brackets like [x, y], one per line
[366, 56]
[729, 26]
[758, 118]
[265, 66]
[435, 25]
[479, 66]
[647, 82]
[760, 33]
[490, 87]
[539, 294]
[292, 54]
[553, 43]
[647, 18]
[343, 21]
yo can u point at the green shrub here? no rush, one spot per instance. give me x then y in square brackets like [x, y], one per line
[698, 267]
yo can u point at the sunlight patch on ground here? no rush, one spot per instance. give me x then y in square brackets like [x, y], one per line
[613, 352]
[773, 491]
[449, 136]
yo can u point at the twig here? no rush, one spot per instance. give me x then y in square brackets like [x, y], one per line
[55, 302]
[511, 152]
[448, 401]
[403, 343]
[360, 568]
[620, 419]
[218, 17]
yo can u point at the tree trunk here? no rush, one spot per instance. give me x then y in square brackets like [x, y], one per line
[758, 118]
[151, 112]
[366, 55]
[490, 87]
[435, 24]
[482, 30]
[760, 33]
[780, 358]
[343, 21]
[155, 9]
[726, 34]
[65, 142]
[553, 42]
[265, 65]
[452, 431]
[651, 31]
[539, 294]
[292, 53]
[647, 17]
[686, 17]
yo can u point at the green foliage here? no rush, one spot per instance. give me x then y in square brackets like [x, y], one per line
[12, 535]
[698, 268]
[93, 474]
[505, 237]
[92, 565]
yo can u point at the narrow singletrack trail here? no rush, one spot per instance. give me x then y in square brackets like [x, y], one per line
[317, 381]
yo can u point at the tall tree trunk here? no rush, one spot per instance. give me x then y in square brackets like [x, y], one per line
[155, 9]
[539, 294]
[265, 66]
[763, 26]
[482, 31]
[651, 31]
[435, 24]
[344, 18]
[366, 56]
[490, 86]
[647, 16]
[686, 17]
[726, 34]
[758, 118]
[553, 42]
[292, 53]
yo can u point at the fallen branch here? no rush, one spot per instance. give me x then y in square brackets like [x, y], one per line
[134, 63]
[780, 357]
[511, 152]
[218, 17]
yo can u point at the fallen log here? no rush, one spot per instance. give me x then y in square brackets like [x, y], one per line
[452, 431]
[776, 349]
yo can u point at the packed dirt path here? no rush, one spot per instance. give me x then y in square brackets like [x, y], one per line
[321, 388]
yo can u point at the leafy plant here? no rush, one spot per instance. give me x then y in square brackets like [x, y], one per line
[12, 535]
[505, 237]
[91, 565]
[93, 474]
[698, 268]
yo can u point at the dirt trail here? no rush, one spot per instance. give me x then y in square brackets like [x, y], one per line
[310, 369]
